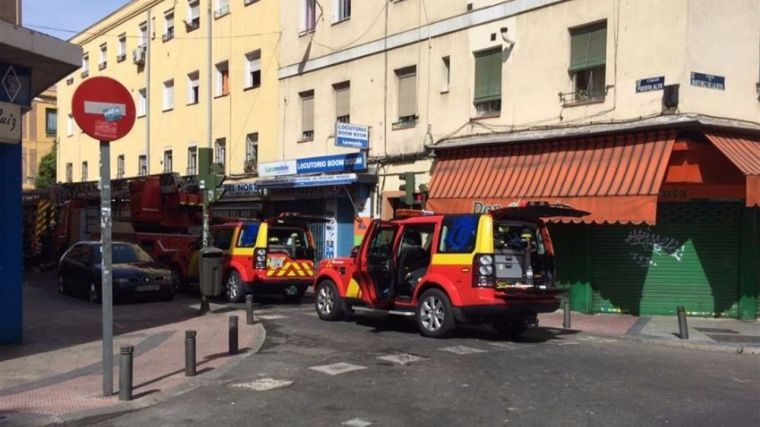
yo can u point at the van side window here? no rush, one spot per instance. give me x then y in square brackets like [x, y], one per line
[248, 235]
[458, 234]
[223, 238]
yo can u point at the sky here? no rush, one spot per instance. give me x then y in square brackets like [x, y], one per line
[65, 18]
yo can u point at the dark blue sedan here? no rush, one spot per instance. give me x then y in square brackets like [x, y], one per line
[134, 272]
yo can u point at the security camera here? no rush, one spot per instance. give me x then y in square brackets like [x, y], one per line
[504, 37]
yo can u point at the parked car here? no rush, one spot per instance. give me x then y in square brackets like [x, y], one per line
[274, 257]
[496, 267]
[134, 272]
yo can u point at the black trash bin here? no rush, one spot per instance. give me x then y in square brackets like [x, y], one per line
[211, 269]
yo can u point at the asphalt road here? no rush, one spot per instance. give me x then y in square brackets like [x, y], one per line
[546, 378]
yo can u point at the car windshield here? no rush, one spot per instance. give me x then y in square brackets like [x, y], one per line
[124, 254]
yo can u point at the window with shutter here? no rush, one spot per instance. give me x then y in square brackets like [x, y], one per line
[588, 58]
[407, 94]
[487, 98]
[307, 116]
[343, 102]
[253, 69]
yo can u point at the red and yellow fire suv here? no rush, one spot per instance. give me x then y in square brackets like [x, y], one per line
[275, 256]
[496, 267]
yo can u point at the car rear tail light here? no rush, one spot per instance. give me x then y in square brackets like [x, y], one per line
[483, 271]
[260, 259]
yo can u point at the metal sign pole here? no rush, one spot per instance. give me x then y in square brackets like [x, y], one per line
[106, 281]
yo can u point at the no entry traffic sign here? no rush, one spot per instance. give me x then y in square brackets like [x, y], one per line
[103, 108]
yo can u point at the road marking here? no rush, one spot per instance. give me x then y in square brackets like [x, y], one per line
[401, 358]
[262, 384]
[311, 313]
[356, 422]
[271, 316]
[461, 350]
[509, 346]
[338, 368]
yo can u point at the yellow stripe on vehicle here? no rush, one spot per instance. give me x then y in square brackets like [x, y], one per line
[353, 290]
[292, 274]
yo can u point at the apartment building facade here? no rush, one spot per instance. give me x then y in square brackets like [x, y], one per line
[38, 135]
[644, 113]
[159, 50]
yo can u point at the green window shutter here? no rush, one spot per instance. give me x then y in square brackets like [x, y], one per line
[488, 75]
[588, 47]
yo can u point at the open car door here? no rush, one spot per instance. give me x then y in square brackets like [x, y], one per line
[375, 264]
[535, 211]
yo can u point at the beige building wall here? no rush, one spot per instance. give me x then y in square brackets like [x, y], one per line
[645, 38]
[37, 139]
[10, 11]
[244, 110]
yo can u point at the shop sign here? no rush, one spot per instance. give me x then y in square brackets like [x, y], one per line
[285, 167]
[309, 181]
[351, 135]
[708, 81]
[241, 189]
[10, 123]
[650, 84]
[15, 85]
[353, 162]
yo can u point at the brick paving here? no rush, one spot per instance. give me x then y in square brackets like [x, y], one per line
[57, 370]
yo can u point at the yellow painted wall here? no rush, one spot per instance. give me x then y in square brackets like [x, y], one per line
[245, 29]
[36, 141]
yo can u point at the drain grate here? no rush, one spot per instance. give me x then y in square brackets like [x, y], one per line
[716, 331]
[738, 339]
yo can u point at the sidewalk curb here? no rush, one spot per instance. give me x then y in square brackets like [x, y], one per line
[102, 414]
[722, 348]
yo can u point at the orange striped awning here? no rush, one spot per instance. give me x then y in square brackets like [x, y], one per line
[744, 152]
[615, 178]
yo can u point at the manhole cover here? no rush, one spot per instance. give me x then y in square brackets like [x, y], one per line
[738, 339]
[716, 331]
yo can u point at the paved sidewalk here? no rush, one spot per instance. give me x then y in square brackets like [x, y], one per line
[58, 371]
[704, 333]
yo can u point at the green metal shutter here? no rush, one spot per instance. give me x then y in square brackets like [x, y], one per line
[690, 258]
[588, 47]
[488, 75]
[757, 262]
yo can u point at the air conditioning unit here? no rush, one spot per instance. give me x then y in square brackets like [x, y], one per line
[138, 55]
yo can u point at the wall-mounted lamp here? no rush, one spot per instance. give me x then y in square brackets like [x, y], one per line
[510, 43]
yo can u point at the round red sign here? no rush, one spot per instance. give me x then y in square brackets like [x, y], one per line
[103, 108]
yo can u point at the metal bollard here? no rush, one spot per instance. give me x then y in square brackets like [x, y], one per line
[233, 335]
[125, 372]
[190, 353]
[566, 313]
[249, 309]
[683, 326]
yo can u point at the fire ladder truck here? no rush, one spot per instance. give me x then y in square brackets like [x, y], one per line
[161, 213]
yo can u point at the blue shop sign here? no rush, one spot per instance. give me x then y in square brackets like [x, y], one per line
[354, 162]
[15, 84]
[708, 81]
[351, 135]
[650, 84]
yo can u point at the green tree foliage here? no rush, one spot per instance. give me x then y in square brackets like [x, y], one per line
[46, 174]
